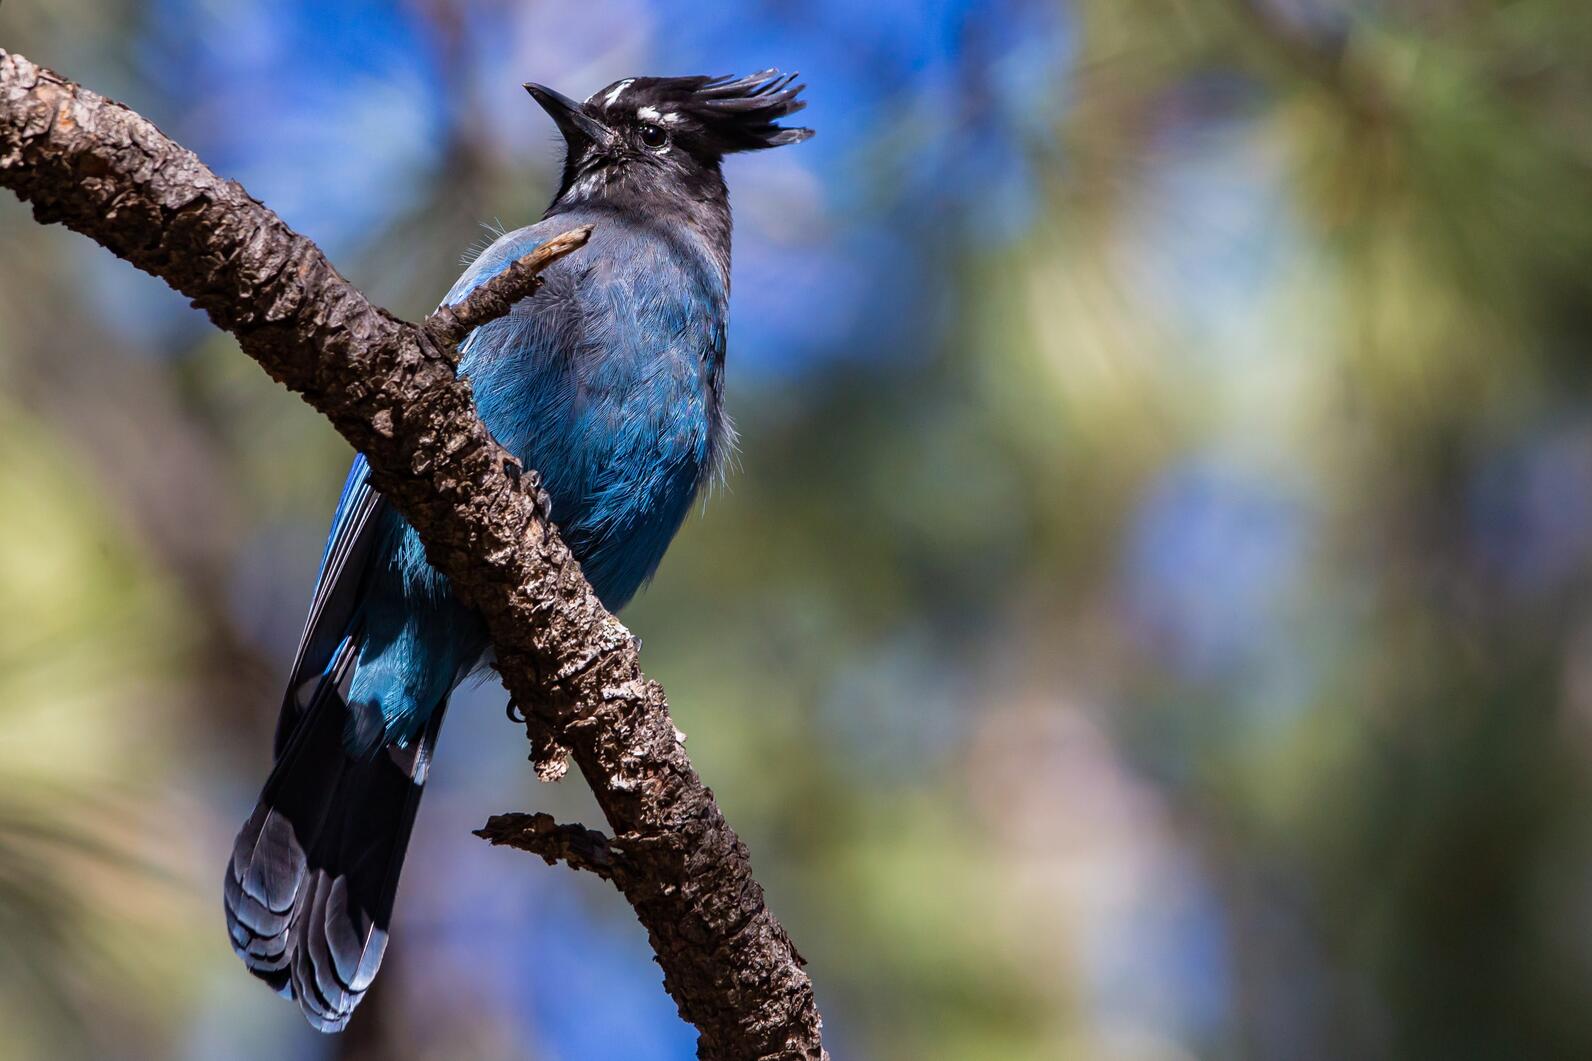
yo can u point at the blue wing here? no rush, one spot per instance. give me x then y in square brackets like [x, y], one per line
[335, 603]
[356, 526]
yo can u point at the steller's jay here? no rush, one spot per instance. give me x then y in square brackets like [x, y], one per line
[608, 382]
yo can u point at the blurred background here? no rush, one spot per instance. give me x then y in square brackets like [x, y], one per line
[1150, 615]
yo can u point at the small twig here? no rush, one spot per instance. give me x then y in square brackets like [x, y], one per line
[493, 299]
[575, 845]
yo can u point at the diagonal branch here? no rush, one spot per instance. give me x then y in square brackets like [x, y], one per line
[389, 387]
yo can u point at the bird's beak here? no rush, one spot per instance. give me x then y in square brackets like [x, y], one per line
[573, 122]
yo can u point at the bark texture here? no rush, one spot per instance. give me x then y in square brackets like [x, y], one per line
[390, 388]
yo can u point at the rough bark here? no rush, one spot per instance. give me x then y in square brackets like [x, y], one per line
[390, 388]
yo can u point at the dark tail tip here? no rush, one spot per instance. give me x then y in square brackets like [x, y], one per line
[309, 889]
[294, 926]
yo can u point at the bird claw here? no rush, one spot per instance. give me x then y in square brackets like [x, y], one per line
[544, 510]
[514, 713]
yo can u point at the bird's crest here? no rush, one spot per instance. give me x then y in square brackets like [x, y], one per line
[734, 113]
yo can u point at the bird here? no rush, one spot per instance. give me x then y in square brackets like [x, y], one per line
[609, 382]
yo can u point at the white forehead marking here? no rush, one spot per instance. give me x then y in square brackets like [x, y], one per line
[648, 114]
[613, 97]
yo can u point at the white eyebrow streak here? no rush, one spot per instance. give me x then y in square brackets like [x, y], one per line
[619, 89]
[648, 114]
[671, 118]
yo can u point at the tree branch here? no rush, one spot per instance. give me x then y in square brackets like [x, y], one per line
[390, 388]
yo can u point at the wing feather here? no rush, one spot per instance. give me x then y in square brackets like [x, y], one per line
[344, 563]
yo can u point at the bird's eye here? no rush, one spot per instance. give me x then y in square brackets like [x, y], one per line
[654, 136]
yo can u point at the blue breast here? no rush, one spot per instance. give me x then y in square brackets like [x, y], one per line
[607, 382]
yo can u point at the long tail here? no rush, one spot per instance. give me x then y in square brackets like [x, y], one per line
[309, 890]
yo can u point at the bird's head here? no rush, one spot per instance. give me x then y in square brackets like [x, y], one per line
[667, 134]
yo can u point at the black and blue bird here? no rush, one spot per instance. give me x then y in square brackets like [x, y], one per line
[609, 382]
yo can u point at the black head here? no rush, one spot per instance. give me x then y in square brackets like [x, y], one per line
[668, 134]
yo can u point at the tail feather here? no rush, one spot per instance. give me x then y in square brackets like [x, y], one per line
[309, 889]
[261, 891]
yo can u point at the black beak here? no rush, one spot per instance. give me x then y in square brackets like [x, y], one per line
[574, 123]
